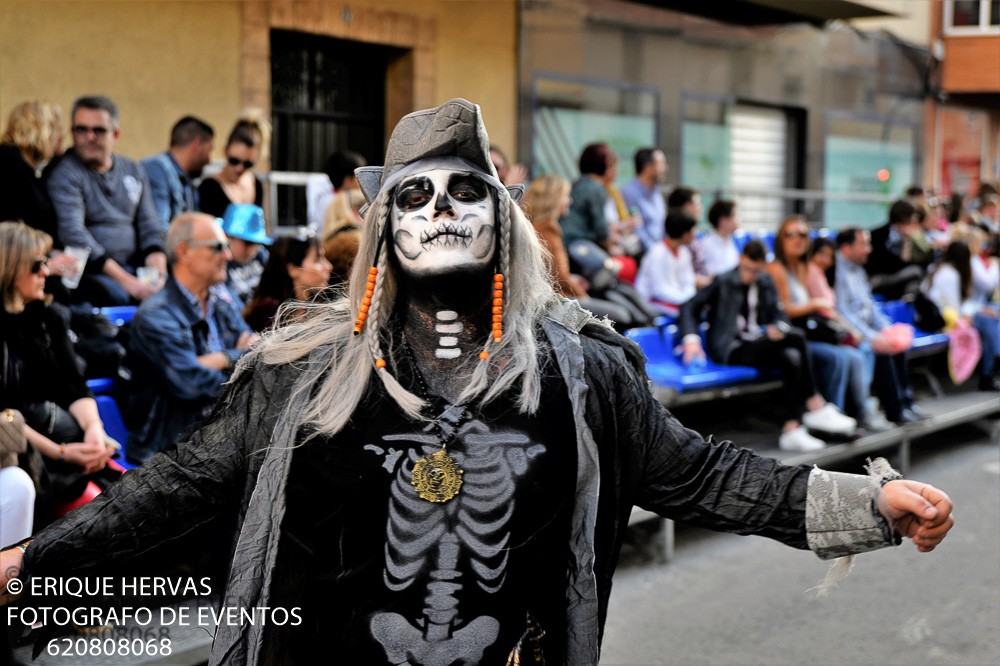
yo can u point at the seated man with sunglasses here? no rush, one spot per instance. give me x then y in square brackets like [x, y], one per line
[185, 340]
[103, 201]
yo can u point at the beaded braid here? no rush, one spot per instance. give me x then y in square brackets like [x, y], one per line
[480, 377]
[501, 287]
[380, 214]
[376, 286]
[507, 202]
[410, 403]
[375, 322]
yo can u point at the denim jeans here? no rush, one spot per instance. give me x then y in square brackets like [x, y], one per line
[892, 384]
[989, 334]
[791, 356]
[842, 376]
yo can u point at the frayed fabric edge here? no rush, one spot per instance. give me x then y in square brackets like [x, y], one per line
[837, 572]
[879, 472]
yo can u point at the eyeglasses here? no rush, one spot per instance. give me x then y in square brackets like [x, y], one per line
[796, 234]
[84, 130]
[218, 247]
[36, 265]
[235, 161]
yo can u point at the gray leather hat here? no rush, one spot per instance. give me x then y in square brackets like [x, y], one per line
[451, 136]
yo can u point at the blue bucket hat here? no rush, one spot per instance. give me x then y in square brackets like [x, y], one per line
[246, 222]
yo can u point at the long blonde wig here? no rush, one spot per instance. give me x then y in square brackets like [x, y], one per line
[348, 361]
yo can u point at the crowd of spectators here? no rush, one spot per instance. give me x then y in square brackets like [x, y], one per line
[85, 228]
[812, 311]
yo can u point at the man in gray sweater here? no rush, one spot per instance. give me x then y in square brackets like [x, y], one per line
[103, 202]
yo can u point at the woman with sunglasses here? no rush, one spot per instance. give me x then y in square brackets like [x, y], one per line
[843, 373]
[236, 183]
[40, 378]
[296, 270]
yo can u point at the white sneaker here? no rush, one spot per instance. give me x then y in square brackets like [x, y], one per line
[799, 440]
[829, 419]
[872, 405]
[876, 422]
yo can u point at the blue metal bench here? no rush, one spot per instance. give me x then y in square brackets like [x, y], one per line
[119, 315]
[677, 383]
[101, 385]
[924, 343]
[901, 312]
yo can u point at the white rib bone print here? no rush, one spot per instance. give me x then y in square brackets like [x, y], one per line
[474, 526]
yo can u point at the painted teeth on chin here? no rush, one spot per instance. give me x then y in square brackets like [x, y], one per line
[448, 234]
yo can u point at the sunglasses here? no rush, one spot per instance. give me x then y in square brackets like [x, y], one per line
[235, 161]
[85, 130]
[36, 265]
[796, 234]
[218, 247]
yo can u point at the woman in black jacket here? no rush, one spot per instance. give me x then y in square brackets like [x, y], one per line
[32, 137]
[41, 379]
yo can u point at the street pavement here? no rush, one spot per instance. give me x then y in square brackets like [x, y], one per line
[735, 600]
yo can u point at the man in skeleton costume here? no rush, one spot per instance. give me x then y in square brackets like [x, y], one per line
[439, 468]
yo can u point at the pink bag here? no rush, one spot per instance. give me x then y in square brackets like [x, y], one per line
[964, 350]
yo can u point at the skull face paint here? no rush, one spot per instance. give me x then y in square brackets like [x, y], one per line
[443, 222]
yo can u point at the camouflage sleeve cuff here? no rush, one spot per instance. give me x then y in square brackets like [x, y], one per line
[841, 518]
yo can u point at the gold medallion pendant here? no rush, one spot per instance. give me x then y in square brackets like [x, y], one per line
[437, 477]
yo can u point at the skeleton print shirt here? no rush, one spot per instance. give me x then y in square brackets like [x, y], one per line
[389, 577]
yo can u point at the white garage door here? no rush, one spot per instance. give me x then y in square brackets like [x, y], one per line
[757, 156]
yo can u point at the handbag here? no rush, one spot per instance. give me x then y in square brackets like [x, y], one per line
[927, 316]
[822, 329]
[12, 439]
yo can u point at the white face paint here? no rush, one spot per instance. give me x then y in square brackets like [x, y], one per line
[443, 222]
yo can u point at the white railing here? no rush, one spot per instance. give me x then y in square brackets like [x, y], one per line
[272, 179]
